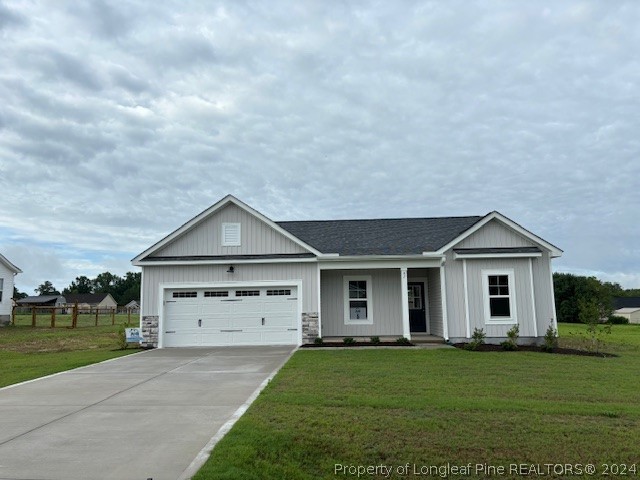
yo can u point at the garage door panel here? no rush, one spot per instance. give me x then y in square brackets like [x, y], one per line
[231, 320]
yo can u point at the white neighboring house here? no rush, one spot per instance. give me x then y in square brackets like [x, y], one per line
[232, 276]
[630, 313]
[7, 271]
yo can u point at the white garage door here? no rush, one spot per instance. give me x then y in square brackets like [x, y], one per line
[230, 316]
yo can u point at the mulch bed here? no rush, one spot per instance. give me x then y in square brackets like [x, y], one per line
[532, 348]
[357, 344]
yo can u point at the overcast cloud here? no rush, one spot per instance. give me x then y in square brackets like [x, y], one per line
[119, 121]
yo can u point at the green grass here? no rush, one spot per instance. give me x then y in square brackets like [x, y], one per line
[27, 353]
[433, 407]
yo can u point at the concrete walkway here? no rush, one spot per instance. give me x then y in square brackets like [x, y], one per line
[138, 417]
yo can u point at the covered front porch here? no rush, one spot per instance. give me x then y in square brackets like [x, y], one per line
[384, 300]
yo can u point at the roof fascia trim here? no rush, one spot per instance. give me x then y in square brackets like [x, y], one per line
[555, 251]
[9, 265]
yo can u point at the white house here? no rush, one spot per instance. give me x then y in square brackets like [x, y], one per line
[231, 276]
[7, 271]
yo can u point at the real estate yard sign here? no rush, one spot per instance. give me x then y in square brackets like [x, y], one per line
[133, 335]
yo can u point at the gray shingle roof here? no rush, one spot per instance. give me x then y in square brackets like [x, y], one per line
[395, 236]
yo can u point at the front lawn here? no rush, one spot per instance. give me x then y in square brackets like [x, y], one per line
[27, 353]
[430, 408]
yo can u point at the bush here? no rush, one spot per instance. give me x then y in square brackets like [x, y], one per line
[477, 339]
[348, 341]
[375, 340]
[512, 338]
[618, 320]
[318, 341]
[550, 339]
[122, 336]
[403, 341]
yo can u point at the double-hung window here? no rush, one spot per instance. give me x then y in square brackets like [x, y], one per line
[499, 296]
[357, 296]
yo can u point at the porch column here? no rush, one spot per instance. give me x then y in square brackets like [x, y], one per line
[404, 299]
[443, 294]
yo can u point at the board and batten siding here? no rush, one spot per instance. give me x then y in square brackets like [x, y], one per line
[386, 307]
[495, 235]
[257, 238]
[210, 274]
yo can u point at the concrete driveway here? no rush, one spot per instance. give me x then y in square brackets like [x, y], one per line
[144, 416]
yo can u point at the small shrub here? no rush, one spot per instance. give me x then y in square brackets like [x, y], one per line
[512, 338]
[403, 341]
[375, 340]
[348, 341]
[122, 336]
[318, 341]
[618, 320]
[550, 339]
[477, 339]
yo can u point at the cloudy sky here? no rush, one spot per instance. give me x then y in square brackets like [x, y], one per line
[119, 121]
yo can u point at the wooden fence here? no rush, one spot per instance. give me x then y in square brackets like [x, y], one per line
[54, 313]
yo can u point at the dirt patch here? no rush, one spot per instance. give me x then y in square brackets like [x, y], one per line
[532, 348]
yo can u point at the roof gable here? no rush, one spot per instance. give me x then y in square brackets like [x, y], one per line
[505, 229]
[199, 237]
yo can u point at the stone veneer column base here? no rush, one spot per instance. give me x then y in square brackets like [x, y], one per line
[309, 327]
[149, 326]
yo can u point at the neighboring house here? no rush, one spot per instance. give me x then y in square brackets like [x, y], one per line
[88, 302]
[7, 271]
[231, 276]
[42, 301]
[132, 306]
[627, 307]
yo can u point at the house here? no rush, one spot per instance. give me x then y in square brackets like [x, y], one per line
[7, 271]
[627, 307]
[88, 302]
[133, 306]
[231, 276]
[41, 301]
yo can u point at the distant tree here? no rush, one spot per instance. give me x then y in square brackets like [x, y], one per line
[572, 290]
[17, 294]
[81, 284]
[104, 283]
[46, 288]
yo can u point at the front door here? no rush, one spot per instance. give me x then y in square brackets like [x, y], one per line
[417, 313]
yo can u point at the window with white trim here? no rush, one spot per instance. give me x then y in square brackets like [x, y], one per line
[1, 288]
[357, 300]
[231, 235]
[499, 296]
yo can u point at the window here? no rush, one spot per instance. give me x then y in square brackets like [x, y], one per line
[230, 234]
[185, 294]
[272, 293]
[219, 293]
[499, 297]
[247, 293]
[1, 288]
[357, 295]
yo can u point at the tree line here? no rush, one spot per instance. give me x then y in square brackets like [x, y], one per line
[582, 299]
[122, 289]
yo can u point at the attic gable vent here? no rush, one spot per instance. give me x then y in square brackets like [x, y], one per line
[230, 235]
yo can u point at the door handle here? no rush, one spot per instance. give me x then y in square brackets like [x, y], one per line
[199, 322]
[262, 321]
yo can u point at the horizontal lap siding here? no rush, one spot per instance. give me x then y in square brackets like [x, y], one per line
[386, 309]
[7, 290]
[258, 238]
[543, 287]
[207, 274]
